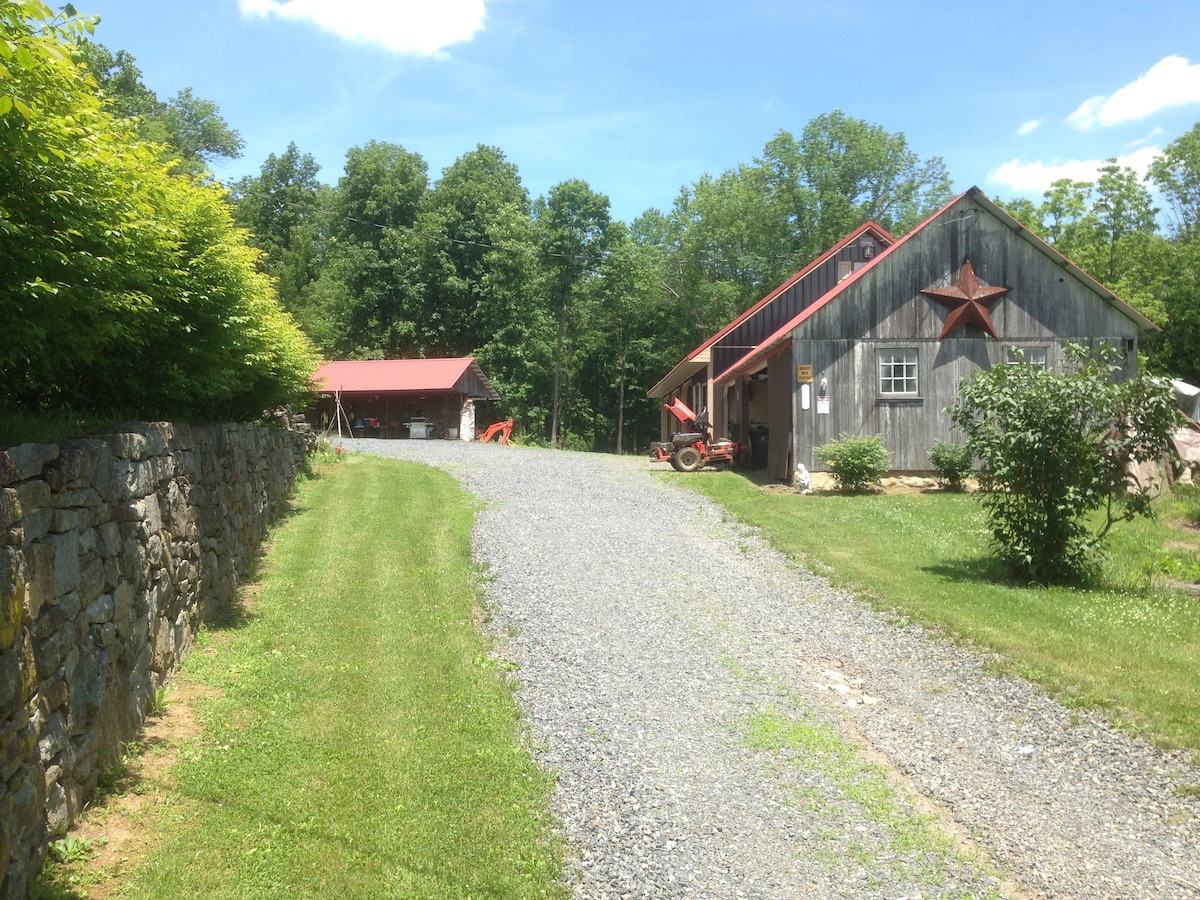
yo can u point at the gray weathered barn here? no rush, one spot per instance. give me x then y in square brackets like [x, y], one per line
[876, 335]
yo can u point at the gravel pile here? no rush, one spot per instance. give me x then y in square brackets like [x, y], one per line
[725, 724]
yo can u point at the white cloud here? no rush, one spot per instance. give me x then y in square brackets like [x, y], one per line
[1170, 82]
[1030, 126]
[1155, 134]
[1036, 177]
[410, 27]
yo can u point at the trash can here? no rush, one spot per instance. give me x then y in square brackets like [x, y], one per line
[759, 441]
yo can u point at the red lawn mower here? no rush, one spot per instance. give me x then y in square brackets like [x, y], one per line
[693, 448]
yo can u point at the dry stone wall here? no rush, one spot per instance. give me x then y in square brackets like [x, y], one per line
[112, 551]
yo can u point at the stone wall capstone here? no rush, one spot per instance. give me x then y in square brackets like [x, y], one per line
[113, 549]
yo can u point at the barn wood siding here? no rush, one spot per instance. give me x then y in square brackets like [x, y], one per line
[1047, 306]
[745, 337]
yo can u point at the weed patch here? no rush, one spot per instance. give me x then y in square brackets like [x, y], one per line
[838, 784]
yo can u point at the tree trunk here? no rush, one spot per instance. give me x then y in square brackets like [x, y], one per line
[621, 397]
[554, 403]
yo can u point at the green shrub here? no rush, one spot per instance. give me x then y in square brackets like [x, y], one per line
[953, 462]
[126, 289]
[857, 463]
[1056, 449]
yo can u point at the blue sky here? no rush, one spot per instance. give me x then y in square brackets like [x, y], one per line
[641, 98]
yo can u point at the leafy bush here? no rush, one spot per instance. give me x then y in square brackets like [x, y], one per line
[1056, 448]
[856, 462]
[126, 286]
[953, 462]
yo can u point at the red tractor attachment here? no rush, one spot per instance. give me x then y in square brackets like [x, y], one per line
[692, 448]
[502, 431]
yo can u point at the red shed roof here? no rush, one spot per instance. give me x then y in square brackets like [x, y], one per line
[461, 374]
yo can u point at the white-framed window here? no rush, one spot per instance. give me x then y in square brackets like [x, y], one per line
[898, 372]
[1030, 356]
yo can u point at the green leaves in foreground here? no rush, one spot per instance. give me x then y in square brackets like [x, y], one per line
[364, 743]
[126, 288]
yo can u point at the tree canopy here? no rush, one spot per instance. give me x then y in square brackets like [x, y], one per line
[1112, 229]
[191, 126]
[117, 248]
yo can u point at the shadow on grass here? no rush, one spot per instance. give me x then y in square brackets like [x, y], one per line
[238, 612]
[990, 571]
[972, 570]
[41, 889]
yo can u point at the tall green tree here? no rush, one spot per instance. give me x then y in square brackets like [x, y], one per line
[479, 274]
[632, 337]
[573, 232]
[1177, 174]
[284, 208]
[1064, 215]
[191, 126]
[1124, 220]
[119, 79]
[730, 245]
[844, 171]
[1175, 348]
[194, 129]
[374, 268]
[382, 187]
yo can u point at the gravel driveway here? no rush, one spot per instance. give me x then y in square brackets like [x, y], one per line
[726, 724]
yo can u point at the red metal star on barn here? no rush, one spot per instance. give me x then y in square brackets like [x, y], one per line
[968, 302]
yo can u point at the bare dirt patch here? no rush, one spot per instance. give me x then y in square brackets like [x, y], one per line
[120, 826]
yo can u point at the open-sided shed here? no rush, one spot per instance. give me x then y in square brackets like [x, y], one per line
[398, 398]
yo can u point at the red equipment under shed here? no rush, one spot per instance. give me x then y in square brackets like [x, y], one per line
[692, 448]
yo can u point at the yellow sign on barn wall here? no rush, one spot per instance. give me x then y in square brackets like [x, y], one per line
[804, 375]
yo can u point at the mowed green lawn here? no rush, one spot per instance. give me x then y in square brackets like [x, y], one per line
[1130, 645]
[363, 743]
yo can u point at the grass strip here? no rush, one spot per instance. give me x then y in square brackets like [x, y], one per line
[363, 743]
[839, 785]
[1128, 645]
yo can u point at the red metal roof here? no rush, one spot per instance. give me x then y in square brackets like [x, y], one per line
[881, 234]
[460, 374]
